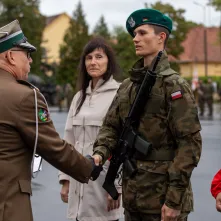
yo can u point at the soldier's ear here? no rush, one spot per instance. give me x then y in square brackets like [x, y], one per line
[10, 57]
[162, 37]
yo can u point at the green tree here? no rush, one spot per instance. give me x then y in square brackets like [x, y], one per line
[124, 48]
[216, 4]
[31, 21]
[101, 28]
[74, 40]
[180, 27]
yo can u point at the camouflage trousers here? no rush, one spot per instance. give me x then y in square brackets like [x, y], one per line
[136, 216]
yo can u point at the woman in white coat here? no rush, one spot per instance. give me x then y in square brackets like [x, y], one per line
[97, 89]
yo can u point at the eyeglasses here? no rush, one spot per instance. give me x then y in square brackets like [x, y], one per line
[28, 53]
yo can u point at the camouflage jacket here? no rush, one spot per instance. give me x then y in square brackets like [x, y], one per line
[170, 121]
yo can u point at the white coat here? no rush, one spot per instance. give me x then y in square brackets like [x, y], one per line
[89, 202]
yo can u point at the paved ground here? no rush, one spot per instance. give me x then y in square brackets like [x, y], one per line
[47, 205]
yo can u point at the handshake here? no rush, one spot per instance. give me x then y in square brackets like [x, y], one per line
[97, 168]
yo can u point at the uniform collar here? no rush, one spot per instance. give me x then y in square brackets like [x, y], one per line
[138, 71]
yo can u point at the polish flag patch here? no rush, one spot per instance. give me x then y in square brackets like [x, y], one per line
[176, 95]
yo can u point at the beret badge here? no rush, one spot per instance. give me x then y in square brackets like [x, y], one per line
[131, 22]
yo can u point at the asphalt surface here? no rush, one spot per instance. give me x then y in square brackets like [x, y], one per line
[47, 205]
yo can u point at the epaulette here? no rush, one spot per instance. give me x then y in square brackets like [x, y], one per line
[27, 84]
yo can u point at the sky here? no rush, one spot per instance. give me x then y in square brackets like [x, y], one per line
[116, 12]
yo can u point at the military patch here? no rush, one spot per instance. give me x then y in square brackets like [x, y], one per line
[131, 22]
[43, 115]
[145, 19]
[176, 95]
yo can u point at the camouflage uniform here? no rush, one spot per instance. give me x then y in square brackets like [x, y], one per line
[170, 125]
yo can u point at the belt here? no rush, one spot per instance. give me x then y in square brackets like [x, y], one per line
[154, 154]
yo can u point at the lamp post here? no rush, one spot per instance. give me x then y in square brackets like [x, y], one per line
[204, 37]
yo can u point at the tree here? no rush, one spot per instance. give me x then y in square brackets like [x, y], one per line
[124, 48]
[101, 28]
[216, 4]
[31, 21]
[74, 40]
[180, 28]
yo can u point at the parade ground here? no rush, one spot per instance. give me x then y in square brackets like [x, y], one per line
[47, 205]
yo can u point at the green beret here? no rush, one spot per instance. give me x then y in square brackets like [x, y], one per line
[12, 36]
[148, 16]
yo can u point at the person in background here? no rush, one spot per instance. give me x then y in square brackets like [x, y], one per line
[59, 97]
[208, 96]
[26, 127]
[201, 98]
[68, 94]
[97, 89]
[216, 189]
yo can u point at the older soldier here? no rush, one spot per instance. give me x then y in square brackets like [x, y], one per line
[26, 127]
[161, 188]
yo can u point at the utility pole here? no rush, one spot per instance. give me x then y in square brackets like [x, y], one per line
[204, 37]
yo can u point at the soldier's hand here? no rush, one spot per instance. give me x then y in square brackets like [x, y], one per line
[97, 159]
[113, 204]
[168, 214]
[65, 191]
[96, 168]
[218, 202]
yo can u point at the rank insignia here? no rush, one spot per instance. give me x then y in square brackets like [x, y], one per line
[43, 115]
[145, 19]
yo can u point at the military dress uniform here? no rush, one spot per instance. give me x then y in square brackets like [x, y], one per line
[170, 123]
[26, 127]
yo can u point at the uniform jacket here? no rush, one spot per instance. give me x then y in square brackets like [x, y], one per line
[89, 202]
[17, 138]
[216, 184]
[169, 123]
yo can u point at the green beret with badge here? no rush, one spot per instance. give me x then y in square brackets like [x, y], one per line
[12, 36]
[150, 17]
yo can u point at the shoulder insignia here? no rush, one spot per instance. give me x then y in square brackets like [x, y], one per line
[43, 115]
[27, 84]
[176, 95]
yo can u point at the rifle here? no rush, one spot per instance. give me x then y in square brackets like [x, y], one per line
[125, 148]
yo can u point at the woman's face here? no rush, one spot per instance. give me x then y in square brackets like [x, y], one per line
[96, 63]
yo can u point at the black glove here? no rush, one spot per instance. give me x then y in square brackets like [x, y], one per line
[96, 169]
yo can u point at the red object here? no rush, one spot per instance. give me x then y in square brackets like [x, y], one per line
[176, 95]
[216, 184]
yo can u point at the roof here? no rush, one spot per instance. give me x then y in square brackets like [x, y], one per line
[194, 45]
[50, 19]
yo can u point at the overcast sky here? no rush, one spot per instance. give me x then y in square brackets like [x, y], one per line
[117, 11]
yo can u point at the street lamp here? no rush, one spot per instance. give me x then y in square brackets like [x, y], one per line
[205, 37]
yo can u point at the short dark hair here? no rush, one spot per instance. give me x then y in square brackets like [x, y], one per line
[84, 78]
[159, 29]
